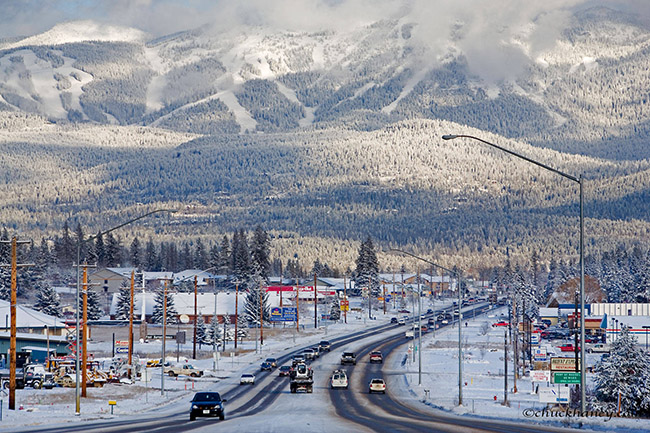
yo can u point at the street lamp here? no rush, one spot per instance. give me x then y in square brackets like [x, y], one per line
[580, 181]
[79, 243]
[460, 318]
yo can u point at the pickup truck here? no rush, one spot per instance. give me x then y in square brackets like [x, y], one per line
[598, 348]
[186, 369]
[568, 348]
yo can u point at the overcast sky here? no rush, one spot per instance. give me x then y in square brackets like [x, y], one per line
[159, 17]
[487, 32]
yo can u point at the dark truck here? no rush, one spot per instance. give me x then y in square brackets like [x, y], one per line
[33, 375]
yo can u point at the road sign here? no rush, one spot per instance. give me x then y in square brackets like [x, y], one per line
[121, 343]
[345, 302]
[540, 354]
[540, 375]
[121, 349]
[566, 377]
[555, 394]
[184, 318]
[534, 338]
[290, 314]
[276, 315]
[345, 308]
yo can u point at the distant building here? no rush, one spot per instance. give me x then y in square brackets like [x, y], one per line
[107, 281]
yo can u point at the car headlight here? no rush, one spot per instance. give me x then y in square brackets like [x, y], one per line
[194, 406]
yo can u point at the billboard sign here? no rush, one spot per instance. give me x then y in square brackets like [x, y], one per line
[540, 375]
[283, 314]
[555, 394]
[564, 364]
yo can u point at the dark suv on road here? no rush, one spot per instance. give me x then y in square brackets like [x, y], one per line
[207, 404]
[348, 358]
[324, 345]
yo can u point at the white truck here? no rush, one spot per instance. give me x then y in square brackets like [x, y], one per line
[302, 379]
[186, 369]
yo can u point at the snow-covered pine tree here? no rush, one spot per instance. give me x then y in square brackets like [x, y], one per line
[123, 306]
[157, 315]
[94, 309]
[214, 332]
[260, 252]
[335, 309]
[625, 373]
[48, 301]
[201, 334]
[367, 270]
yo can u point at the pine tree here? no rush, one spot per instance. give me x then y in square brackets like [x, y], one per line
[157, 316]
[252, 303]
[79, 238]
[100, 250]
[151, 259]
[94, 309]
[123, 307]
[241, 257]
[260, 252]
[135, 253]
[214, 332]
[367, 271]
[48, 301]
[625, 373]
[201, 335]
[200, 256]
[65, 248]
[335, 309]
[113, 251]
[224, 257]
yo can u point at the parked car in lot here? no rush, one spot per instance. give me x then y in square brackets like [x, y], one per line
[207, 404]
[339, 379]
[569, 347]
[599, 348]
[497, 324]
[247, 379]
[348, 358]
[377, 385]
[186, 369]
[376, 356]
[266, 366]
[285, 370]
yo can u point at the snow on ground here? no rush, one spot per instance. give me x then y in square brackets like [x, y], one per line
[483, 378]
[36, 407]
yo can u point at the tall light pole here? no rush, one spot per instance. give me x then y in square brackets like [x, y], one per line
[460, 317]
[580, 181]
[79, 243]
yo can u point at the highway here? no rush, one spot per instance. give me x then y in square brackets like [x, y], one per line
[269, 405]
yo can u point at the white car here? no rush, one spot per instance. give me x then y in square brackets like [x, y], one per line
[247, 379]
[377, 385]
[339, 379]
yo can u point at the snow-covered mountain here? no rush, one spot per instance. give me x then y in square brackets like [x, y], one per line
[586, 93]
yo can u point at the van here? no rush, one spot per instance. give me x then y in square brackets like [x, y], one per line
[339, 379]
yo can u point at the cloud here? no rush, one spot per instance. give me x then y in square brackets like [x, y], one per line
[498, 38]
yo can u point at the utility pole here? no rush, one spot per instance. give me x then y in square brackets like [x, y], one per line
[345, 296]
[315, 303]
[12, 308]
[394, 297]
[84, 331]
[131, 322]
[514, 342]
[236, 317]
[164, 337]
[384, 299]
[505, 361]
[297, 304]
[196, 282]
[369, 297]
[261, 319]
